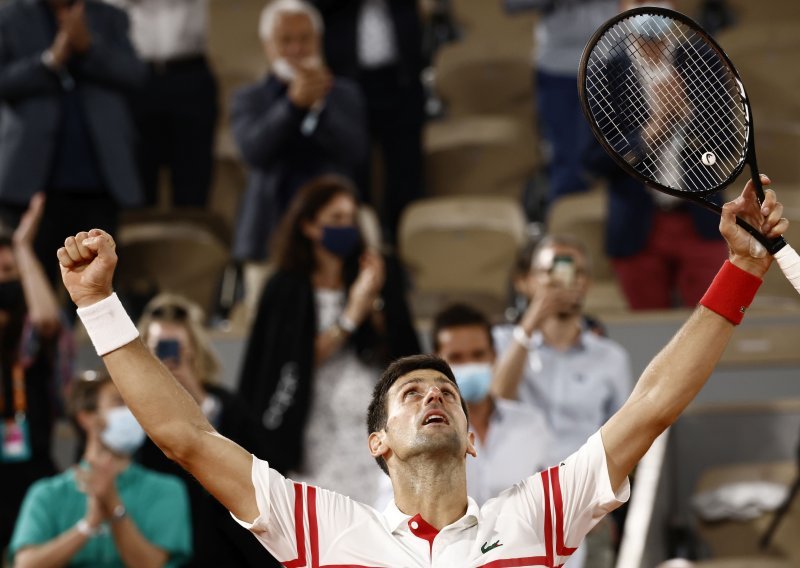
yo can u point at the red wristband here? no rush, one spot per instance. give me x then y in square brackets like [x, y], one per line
[731, 292]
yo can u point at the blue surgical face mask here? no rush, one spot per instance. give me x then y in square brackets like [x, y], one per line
[123, 434]
[341, 241]
[473, 380]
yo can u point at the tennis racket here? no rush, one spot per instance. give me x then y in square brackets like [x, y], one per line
[668, 105]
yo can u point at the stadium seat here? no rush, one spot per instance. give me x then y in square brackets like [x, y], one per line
[583, 215]
[171, 256]
[489, 155]
[461, 249]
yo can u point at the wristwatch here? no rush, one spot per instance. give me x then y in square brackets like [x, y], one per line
[119, 513]
[522, 338]
[49, 60]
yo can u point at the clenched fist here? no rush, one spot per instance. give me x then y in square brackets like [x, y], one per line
[87, 266]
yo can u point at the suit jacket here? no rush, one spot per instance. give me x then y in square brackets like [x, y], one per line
[341, 26]
[267, 130]
[30, 100]
[631, 208]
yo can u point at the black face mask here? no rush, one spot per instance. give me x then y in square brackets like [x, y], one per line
[12, 298]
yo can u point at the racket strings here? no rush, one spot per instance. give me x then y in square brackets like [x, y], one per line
[678, 100]
[651, 75]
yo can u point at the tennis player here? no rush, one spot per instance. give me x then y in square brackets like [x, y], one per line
[419, 434]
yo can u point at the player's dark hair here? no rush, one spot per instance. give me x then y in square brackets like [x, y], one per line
[377, 412]
[459, 315]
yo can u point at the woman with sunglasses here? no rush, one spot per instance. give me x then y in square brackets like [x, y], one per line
[173, 328]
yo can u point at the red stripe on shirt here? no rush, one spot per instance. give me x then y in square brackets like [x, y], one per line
[561, 550]
[299, 530]
[313, 530]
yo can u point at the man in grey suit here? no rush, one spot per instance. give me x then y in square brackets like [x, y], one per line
[66, 67]
[295, 124]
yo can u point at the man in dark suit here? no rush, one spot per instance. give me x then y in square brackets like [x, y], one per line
[378, 43]
[295, 124]
[65, 129]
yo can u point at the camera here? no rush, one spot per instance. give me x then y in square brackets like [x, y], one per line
[563, 270]
[169, 349]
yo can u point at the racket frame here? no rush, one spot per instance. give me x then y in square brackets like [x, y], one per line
[772, 245]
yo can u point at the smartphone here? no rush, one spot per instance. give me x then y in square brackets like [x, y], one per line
[563, 270]
[169, 349]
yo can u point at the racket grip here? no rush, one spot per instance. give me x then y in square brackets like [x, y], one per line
[789, 261]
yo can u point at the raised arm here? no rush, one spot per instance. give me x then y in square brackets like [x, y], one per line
[40, 297]
[165, 410]
[675, 376]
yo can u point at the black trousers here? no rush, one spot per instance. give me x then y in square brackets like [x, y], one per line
[176, 114]
[395, 115]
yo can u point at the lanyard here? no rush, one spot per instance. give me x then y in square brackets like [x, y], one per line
[18, 390]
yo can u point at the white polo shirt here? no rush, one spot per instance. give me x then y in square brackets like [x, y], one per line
[538, 522]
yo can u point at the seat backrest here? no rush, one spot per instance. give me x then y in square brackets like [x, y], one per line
[180, 257]
[459, 246]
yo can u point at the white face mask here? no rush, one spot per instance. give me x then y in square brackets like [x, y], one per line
[123, 434]
[283, 70]
[474, 380]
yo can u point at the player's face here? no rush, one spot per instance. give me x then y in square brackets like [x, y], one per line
[465, 344]
[425, 420]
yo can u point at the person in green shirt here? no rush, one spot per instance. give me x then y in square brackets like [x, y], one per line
[106, 511]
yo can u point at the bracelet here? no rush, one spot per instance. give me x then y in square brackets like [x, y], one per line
[85, 528]
[522, 338]
[346, 324]
[108, 325]
[731, 292]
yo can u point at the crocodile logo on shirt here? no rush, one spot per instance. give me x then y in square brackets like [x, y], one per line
[486, 547]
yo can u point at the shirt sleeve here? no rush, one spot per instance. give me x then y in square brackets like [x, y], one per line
[283, 506]
[34, 524]
[563, 503]
[581, 487]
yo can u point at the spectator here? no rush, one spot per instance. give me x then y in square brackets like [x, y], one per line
[106, 511]
[65, 129]
[663, 248]
[512, 439]
[297, 123]
[328, 318]
[172, 327]
[36, 354]
[176, 112]
[577, 378]
[379, 44]
[560, 35]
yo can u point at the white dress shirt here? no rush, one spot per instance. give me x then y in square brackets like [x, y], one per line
[376, 43]
[538, 522]
[163, 30]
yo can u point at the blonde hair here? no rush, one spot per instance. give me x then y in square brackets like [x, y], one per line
[177, 309]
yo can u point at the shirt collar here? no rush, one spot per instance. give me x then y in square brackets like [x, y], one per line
[398, 520]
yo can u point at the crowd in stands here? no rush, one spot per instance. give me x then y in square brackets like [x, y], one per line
[97, 97]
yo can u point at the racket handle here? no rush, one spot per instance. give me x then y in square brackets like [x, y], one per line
[789, 261]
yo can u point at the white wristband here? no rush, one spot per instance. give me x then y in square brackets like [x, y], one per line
[85, 528]
[523, 339]
[108, 325]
